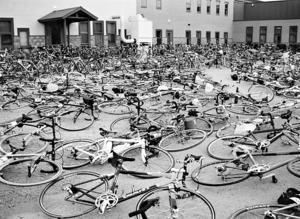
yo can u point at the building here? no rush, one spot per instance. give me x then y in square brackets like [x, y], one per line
[189, 21]
[275, 22]
[25, 23]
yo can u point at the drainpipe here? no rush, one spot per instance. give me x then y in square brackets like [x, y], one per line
[122, 30]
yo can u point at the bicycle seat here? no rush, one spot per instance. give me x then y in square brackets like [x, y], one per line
[105, 132]
[178, 118]
[23, 119]
[286, 115]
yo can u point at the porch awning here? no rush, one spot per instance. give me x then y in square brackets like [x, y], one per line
[76, 14]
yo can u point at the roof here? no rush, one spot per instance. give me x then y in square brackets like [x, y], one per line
[79, 14]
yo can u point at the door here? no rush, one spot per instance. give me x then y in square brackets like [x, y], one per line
[169, 34]
[188, 37]
[23, 34]
[6, 33]
[198, 37]
[158, 35]
[84, 31]
[208, 37]
[111, 32]
[54, 33]
[99, 33]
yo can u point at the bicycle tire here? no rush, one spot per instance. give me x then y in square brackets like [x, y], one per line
[37, 114]
[34, 145]
[294, 167]
[17, 169]
[16, 104]
[209, 176]
[183, 140]
[243, 109]
[54, 205]
[202, 124]
[187, 204]
[259, 92]
[114, 108]
[122, 124]
[66, 155]
[66, 121]
[256, 211]
[159, 161]
[221, 148]
[291, 95]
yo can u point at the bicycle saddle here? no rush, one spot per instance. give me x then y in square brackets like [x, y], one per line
[105, 132]
[23, 119]
[286, 115]
[178, 118]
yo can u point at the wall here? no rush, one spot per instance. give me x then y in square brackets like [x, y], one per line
[173, 16]
[239, 29]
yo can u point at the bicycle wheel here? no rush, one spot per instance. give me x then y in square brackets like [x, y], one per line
[114, 108]
[243, 109]
[65, 198]
[37, 114]
[190, 204]
[261, 212]
[123, 124]
[294, 167]
[16, 173]
[291, 94]
[261, 93]
[182, 140]
[221, 148]
[71, 158]
[75, 121]
[24, 142]
[16, 104]
[157, 161]
[219, 173]
[202, 124]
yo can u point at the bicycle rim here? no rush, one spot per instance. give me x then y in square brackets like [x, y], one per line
[243, 109]
[209, 176]
[114, 108]
[190, 204]
[16, 104]
[259, 212]
[69, 121]
[56, 201]
[294, 167]
[158, 161]
[182, 140]
[15, 173]
[123, 125]
[260, 92]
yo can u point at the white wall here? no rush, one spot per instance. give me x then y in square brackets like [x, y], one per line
[27, 12]
[173, 16]
[239, 29]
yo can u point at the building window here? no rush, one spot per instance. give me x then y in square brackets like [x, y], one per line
[208, 37]
[188, 37]
[199, 6]
[208, 6]
[293, 34]
[218, 2]
[158, 4]
[249, 34]
[217, 36]
[262, 34]
[226, 38]
[84, 32]
[277, 34]
[23, 34]
[226, 8]
[198, 37]
[158, 35]
[144, 3]
[6, 33]
[188, 5]
[111, 32]
[169, 34]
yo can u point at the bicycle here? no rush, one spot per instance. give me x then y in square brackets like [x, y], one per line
[82, 192]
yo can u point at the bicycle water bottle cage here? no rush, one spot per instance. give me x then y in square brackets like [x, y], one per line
[105, 201]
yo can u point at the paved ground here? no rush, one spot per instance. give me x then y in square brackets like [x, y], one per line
[22, 203]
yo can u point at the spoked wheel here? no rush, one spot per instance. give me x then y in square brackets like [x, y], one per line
[294, 167]
[261, 93]
[16, 104]
[221, 148]
[243, 109]
[182, 140]
[75, 121]
[71, 157]
[190, 204]
[24, 143]
[114, 108]
[220, 173]
[291, 94]
[123, 124]
[65, 198]
[17, 173]
[157, 161]
[263, 211]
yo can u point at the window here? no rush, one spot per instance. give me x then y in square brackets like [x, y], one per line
[158, 4]
[208, 37]
[23, 34]
[226, 8]
[188, 5]
[188, 37]
[262, 34]
[158, 35]
[84, 32]
[144, 3]
[249, 34]
[226, 37]
[293, 34]
[199, 6]
[217, 36]
[6, 33]
[111, 29]
[198, 37]
[277, 34]
[218, 2]
[208, 6]
[169, 34]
